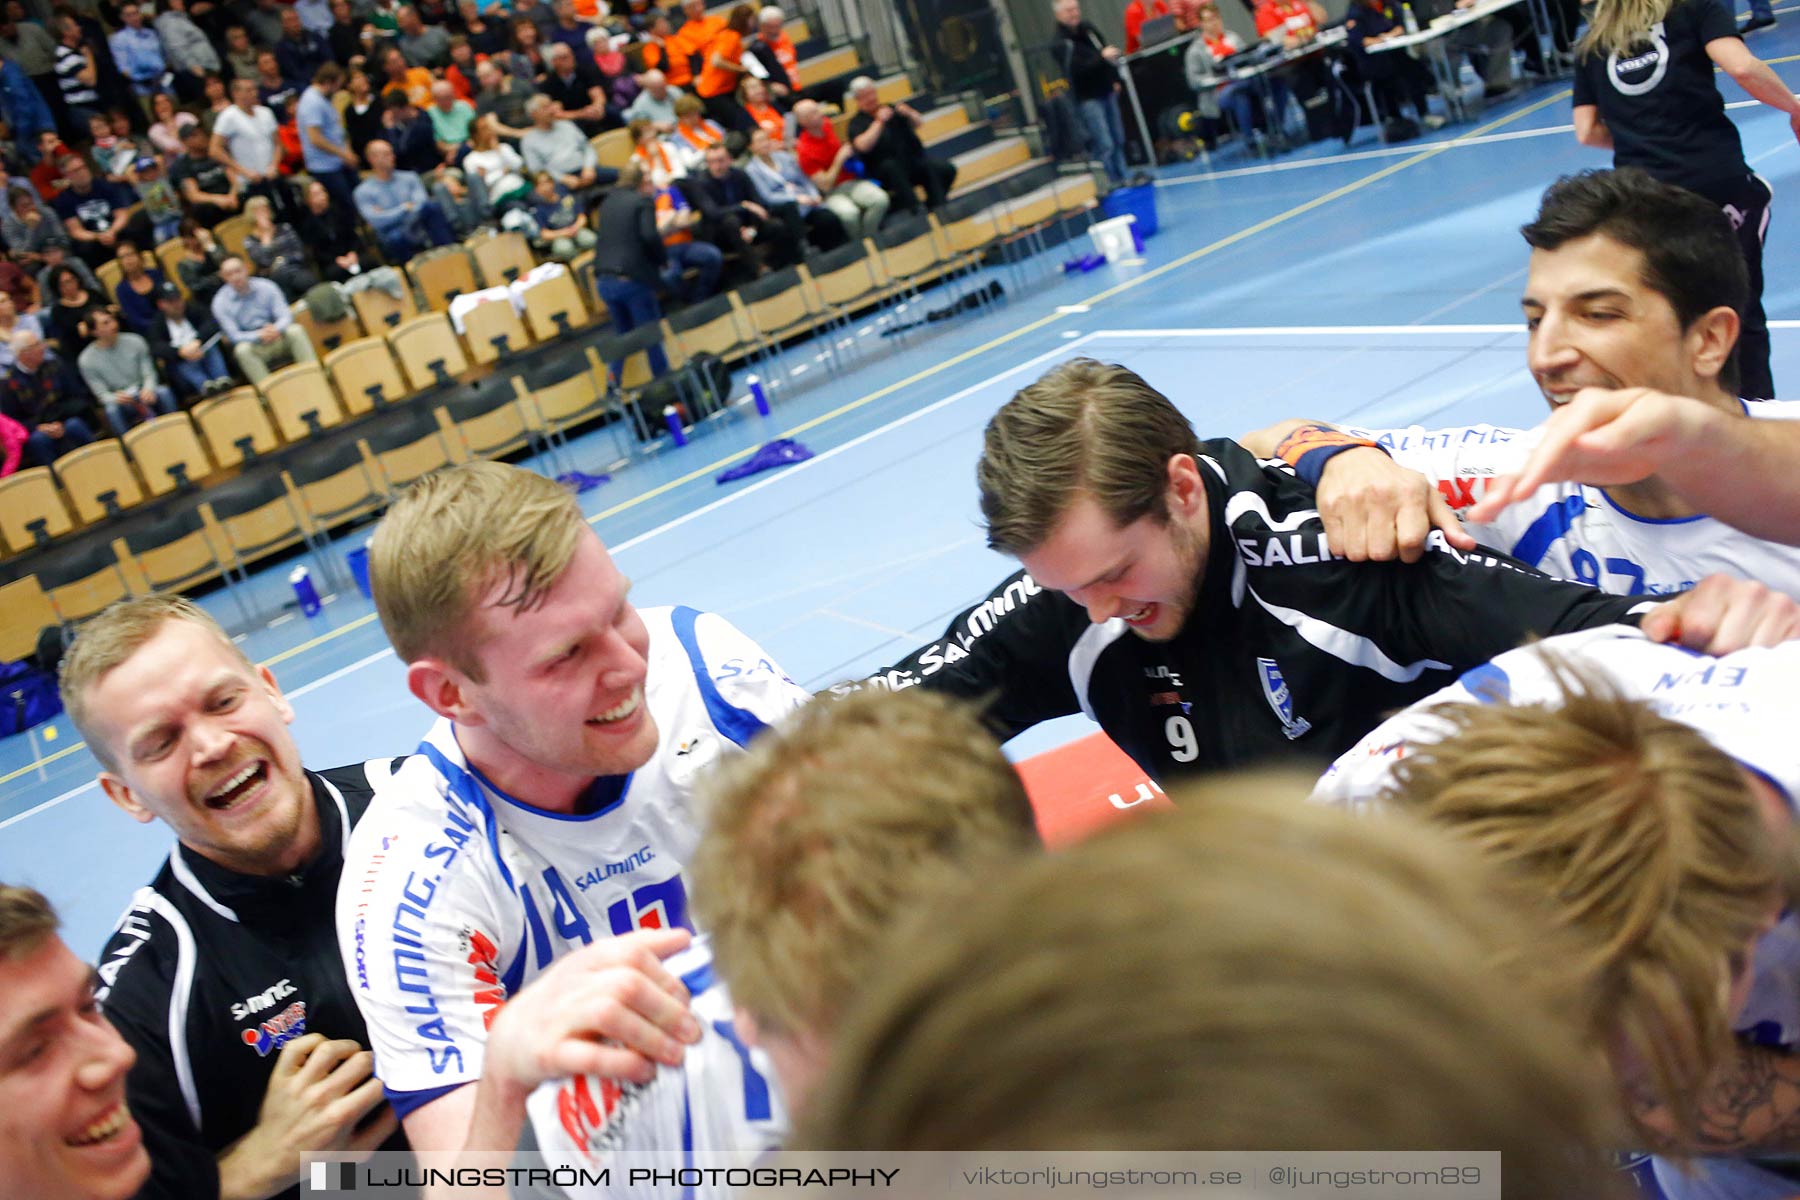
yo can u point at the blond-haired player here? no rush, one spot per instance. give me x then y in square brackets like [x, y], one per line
[1646, 792]
[514, 887]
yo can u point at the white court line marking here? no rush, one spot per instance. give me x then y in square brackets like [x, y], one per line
[1455, 143]
[845, 617]
[298, 692]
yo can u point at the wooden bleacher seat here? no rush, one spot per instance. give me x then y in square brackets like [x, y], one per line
[83, 580]
[168, 254]
[225, 422]
[444, 275]
[25, 612]
[301, 400]
[168, 452]
[93, 473]
[557, 296]
[408, 446]
[829, 65]
[502, 258]
[489, 327]
[364, 365]
[231, 232]
[380, 312]
[327, 336]
[27, 497]
[426, 346]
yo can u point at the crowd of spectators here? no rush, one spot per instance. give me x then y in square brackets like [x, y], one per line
[351, 133]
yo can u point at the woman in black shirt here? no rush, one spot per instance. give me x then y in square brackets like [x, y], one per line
[330, 233]
[1644, 89]
[68, 319]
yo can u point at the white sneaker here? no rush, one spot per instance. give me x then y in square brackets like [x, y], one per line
[1433, 121]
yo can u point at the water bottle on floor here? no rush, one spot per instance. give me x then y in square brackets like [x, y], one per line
[304, 591]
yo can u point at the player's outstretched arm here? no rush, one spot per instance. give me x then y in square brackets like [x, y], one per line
[609, 1009]
[323, 1095]
[1738, 470]
[1374, 509]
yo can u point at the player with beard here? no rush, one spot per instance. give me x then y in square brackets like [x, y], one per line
[223, 975]
[1248, 637]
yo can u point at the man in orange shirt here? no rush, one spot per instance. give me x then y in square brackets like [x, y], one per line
[686, 45]
[1297, 21]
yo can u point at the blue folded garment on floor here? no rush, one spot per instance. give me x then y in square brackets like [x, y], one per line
[781, 452]
[579, 481]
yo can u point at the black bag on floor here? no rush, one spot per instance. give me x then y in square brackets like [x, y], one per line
[1399, 129]
[702, 372]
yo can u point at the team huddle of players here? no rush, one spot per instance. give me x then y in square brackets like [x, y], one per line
[635, 890]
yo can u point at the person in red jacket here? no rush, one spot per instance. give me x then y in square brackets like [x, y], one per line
[1136, 13]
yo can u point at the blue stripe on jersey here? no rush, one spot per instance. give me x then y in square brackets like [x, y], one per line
[735, 723]
[407, 1103]
[1488, 684]
[699, 979]
[757, 1106]
[463, 786]
[687, 1135]
[1543, 533]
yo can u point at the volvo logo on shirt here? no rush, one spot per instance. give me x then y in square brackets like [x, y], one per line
[1280, 699]
[1628, 74]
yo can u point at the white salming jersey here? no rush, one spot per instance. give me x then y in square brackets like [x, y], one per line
[455, 895]
[721, 1106]
[1576, 532]
[1745, 703]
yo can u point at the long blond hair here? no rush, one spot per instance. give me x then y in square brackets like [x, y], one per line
[1621, 26]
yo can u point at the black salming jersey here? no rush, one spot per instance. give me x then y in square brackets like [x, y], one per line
[1289, 651]
[209, 973]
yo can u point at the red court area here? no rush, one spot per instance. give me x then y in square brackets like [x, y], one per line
[1084, 786]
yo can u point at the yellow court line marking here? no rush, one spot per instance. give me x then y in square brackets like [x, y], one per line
[1051, 318]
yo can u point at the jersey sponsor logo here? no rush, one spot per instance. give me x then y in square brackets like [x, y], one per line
[1628, 74]
[135, 927]
[1295, 549]
[625, 866]
[271, 1035]
[1275, 689]
[264, 1000]
[1164, 672]
[362, 951]
[589, 1109]
[484, 956]
[654, 906]
[743, 668]
[1715, 675]
[935, 657]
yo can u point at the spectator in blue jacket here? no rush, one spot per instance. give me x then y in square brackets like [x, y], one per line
[395, 206]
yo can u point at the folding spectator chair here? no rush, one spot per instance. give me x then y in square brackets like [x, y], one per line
[613, 148]
[428, 351]
[337, 485]
[843, 281]
[565, 399]
[778, 307]
[31, 510]
[443, 275]
[301, 399]
[236, 427]
[82, 580]
[494, 330]
[379, 312]
[327, 336]
[408, 445]
[99, 481]
[554, 307]
[502, 257]
[174, 551]
[168, 452]
[169, 255]
[261, 515]
[630, 348]
[491, 421]
[366, 376]
[25, 612]
[231, 232]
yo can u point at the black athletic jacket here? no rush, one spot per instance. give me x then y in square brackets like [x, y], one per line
[210, 973]
[1289, 651]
